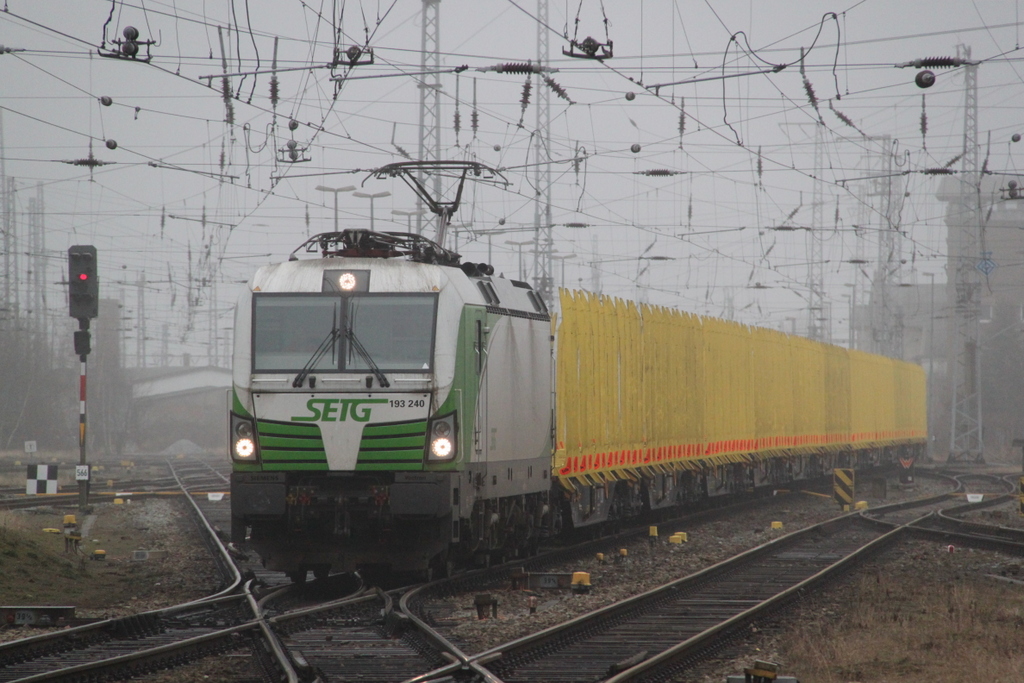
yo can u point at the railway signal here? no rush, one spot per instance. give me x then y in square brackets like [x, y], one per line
[83, 283]
[83, 304]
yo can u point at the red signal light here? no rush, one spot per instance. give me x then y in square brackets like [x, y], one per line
[83, 276]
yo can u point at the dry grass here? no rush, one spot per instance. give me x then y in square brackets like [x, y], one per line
[933, 617]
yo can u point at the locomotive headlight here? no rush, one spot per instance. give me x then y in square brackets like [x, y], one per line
[245, 448]
[441, 448]
[347, 282]
[441, 435]
[243, 439]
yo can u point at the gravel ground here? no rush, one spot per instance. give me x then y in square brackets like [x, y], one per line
[915, 614]
[117, 586]
[647, 567]
[188, 573]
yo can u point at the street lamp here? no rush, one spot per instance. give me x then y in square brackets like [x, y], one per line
[489, 233]
[336, 190]
[455, 228]
[371, 196]
[520, 245]
[563, 258]
[409, 215]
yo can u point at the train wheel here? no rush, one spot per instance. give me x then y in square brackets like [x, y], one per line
[298, 576]
[321, 571]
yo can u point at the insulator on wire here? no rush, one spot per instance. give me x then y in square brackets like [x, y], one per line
[458, 114]
[934, 63]
[524, 101]
[924, 124]
[517, 68]
[938, 171]
[557, 89]
[682, 118]
[844, 118]
[474, 116]
[811, 97]
[527, 89]
[949, 164]
[274, 86]
[760, 166]
[658, 172]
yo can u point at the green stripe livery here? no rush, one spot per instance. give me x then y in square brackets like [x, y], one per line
[394, 446]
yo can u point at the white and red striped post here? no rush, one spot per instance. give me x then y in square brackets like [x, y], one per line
[83, 486]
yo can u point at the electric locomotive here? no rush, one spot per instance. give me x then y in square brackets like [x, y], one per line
[391, 408]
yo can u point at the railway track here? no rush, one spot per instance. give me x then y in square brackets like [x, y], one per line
[377, 636]
[117, 649]
[947, 526]
[367, 638]
[648, 627]
[686, 619]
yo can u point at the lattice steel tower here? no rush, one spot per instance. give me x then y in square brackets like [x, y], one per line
[543, 242]
[886, 310]
[818, 324]
[430, 98]
[964, 287]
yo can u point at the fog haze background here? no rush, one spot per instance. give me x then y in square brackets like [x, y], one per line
[194, 204]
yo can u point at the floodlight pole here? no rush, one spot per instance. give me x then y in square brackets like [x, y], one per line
[336, 191]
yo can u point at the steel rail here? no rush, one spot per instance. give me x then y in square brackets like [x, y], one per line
[148, 658]
[637, 602]
[465, 662]
[89, 669]
[380, 631]
[689, 646]
[232, 576]
[42, 643]
[700, 578]
[226, 563]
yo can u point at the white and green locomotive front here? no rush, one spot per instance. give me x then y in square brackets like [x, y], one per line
[368, 426]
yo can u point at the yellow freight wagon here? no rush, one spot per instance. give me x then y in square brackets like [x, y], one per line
[646, 390]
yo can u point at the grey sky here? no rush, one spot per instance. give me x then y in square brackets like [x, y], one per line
[145, 212]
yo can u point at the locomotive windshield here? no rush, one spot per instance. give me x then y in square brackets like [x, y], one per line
[396, 330]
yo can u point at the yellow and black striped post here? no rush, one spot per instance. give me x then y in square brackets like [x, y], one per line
[842, 487]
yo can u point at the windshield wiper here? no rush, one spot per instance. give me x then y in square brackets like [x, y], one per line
[328, 343]
[364, 354]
